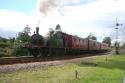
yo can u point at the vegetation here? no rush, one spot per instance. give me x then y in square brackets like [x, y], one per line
[107, 40]
[23, 37]
[4, 45]
[102, 69]
[51, 33]
[11, 46]
[91, 36]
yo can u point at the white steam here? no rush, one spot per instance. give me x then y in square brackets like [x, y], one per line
[47, 6]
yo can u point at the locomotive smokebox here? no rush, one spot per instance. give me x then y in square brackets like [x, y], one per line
[37, 30]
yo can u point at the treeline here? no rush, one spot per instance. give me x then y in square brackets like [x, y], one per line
[12, 46]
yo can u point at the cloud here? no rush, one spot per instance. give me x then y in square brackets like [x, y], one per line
[99, 16]
[11, 20]
[75, 17]
[71, 2]
[15, 21]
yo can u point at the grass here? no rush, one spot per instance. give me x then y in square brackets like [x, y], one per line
[103, 69]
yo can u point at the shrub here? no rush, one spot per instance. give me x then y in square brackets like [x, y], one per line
[19, 51]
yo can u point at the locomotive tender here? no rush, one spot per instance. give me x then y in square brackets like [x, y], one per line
[60, 43]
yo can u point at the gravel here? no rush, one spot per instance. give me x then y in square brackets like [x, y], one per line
[37, 65]
[26, 66]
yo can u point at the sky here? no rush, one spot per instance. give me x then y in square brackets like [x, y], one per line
[76, 17]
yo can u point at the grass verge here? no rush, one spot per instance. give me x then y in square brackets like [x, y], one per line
[102, 69]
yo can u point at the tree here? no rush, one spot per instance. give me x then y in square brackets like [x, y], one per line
[91, 36]
[24, 36]
[107, 40]
[27, 29]
[50, 33]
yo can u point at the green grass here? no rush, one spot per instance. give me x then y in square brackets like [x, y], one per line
[100, 70]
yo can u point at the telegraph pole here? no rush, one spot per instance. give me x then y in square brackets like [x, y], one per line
[116, 43]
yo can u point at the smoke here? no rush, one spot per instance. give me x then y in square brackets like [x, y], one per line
[47, 6]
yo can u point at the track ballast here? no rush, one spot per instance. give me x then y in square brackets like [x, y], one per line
[15, 60]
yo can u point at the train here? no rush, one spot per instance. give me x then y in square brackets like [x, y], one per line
[61, 43]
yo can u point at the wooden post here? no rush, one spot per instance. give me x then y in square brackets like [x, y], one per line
[76, 74]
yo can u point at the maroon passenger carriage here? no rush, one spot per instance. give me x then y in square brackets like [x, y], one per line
[76, 45]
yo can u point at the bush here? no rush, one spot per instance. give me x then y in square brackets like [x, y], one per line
[19, 51]
[3, 44]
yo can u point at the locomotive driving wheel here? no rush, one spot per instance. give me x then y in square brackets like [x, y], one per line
[34, 52]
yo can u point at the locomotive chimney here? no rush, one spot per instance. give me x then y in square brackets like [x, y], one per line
[37, 30]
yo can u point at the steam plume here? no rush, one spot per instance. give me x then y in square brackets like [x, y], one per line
[47, 6]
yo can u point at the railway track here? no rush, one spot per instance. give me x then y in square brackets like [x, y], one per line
[15, 60]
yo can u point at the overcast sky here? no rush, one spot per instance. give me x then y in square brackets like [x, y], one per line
[77, 17]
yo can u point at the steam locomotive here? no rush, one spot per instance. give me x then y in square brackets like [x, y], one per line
[60, 43]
